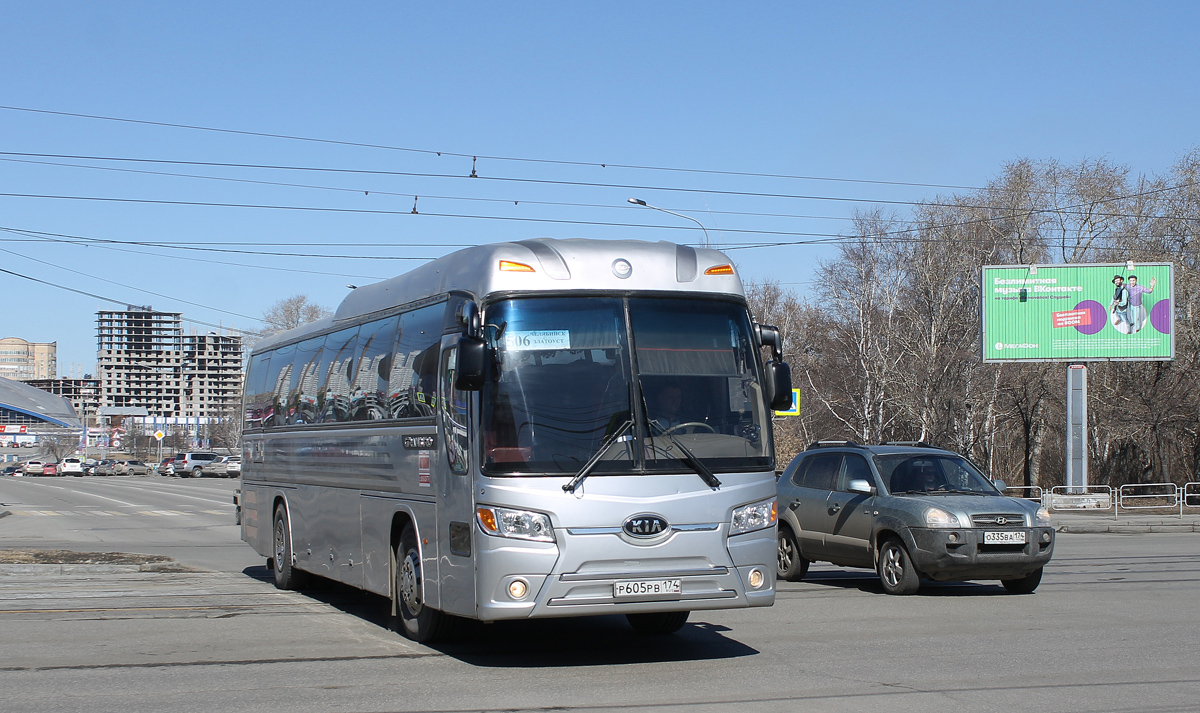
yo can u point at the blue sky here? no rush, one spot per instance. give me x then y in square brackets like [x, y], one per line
[924, 93]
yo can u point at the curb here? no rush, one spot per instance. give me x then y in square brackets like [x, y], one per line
[1116, 529]
[60, 569]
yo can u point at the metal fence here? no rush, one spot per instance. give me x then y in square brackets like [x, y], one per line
[1081, 497]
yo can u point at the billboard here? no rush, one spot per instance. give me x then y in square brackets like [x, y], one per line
[1078, 312]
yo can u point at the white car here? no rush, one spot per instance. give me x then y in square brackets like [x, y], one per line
[71, 466]
[33, 467]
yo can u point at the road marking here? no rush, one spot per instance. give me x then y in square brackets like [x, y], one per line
[91, 495]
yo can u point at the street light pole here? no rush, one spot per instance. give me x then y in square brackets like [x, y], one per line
[644, 204]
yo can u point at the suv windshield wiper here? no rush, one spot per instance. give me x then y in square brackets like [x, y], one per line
[587, 467]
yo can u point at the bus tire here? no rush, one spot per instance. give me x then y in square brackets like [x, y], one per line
[286, 575]
[421, 623]
[658, 623]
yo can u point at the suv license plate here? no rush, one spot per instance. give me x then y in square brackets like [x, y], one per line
[1004, 538]
[638, 589]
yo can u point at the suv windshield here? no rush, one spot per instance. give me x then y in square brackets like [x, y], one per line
[920, 473]
[568, 372]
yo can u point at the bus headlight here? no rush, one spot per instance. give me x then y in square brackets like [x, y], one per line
[755, 516]
[519, 524]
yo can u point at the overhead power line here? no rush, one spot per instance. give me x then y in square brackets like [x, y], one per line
[475, 156]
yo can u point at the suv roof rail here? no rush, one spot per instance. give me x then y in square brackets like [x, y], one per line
[914, 444]
[829, 444]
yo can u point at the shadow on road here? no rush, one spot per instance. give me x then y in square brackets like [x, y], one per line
[539, 643]
[866, 581]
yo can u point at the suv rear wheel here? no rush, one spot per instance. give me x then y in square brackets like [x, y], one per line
[896, 569]
[197, 472]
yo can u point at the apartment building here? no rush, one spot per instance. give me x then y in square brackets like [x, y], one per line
[24, 360]
[145, 359]
[84, 394]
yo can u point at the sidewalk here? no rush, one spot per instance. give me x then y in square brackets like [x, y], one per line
[1091, 522]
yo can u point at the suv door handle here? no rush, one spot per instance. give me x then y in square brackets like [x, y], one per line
[835, 508]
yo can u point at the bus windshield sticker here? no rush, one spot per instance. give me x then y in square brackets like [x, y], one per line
[538, 339]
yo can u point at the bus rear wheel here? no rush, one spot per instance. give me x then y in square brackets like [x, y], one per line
[657, 623]
[418, 622]
[286, 575]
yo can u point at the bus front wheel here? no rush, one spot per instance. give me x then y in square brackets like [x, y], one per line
[418, 622]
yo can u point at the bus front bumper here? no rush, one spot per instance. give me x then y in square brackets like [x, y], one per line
[579, 576]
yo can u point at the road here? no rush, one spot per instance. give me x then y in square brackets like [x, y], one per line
[1112, 628]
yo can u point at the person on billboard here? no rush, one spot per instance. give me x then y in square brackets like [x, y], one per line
[1137, 312]
[1120, 306]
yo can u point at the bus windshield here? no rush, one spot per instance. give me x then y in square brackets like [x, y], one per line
[570, 371]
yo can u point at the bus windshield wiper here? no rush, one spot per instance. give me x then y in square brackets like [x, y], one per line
[587, 467]
[688, 457]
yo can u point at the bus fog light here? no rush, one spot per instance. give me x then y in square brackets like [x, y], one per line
[518, 588]
[756, 578]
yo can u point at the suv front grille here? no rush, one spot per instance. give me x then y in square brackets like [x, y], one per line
[998, 520]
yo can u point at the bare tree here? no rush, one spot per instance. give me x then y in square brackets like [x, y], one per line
[292, 312]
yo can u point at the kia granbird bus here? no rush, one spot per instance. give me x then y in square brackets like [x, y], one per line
[541, 428]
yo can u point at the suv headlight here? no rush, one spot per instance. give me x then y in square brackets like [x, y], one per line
[755, 516]
[1042, 519]
[518, 524]
[937, 517]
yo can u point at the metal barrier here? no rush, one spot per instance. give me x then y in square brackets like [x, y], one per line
[1030, 492]
[1081, 497]
[1190, 495]
[1150, 496]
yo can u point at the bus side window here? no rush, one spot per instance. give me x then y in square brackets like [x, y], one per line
[302, 400]
[256, 401]
[412, 389]
[338, 359]
[368, 393]
[454, 415]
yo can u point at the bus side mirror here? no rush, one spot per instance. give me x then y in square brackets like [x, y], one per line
[768, 336]
[779, 385]
[472, 357]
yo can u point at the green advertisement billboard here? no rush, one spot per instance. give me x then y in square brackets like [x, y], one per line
[1077, 312]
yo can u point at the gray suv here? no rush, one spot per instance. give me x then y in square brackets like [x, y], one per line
[908, 512]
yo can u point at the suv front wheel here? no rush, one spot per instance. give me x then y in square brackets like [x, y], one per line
[790, 565]
[896, 569]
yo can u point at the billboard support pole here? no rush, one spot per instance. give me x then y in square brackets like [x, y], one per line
[1077, 479]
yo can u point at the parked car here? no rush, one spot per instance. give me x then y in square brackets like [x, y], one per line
[12, 470]
[233, 466]
[50, 469]
[192, 464]
[224, 467]
[166, 467]
[71, 466]
[33, 467]
[130, 467]
[104, 467]
[908, 512]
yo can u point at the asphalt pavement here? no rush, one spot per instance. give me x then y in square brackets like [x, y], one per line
[1112, 628]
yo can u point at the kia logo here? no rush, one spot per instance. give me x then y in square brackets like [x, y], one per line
[645, 526]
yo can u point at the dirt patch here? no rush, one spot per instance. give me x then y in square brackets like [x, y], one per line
[68, 557]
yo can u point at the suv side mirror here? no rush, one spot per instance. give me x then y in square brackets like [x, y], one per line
[861, 486]
[472, 357]
[779, 385]
[1000, 485]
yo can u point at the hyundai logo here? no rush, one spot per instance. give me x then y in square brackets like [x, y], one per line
[1001, 520]
[645, 526]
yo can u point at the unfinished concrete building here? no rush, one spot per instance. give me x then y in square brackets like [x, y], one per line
[144, 359]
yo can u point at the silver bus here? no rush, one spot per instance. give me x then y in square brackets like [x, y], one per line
[529, 429]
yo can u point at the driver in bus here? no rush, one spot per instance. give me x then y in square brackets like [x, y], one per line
[666, 405]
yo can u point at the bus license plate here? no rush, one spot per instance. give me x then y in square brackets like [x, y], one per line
[638, 589]
[1004, 538]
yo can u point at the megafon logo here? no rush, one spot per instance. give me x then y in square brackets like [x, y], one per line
[1001, 346]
